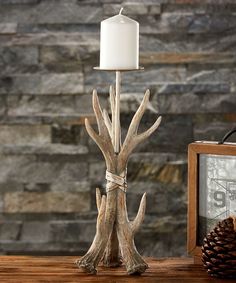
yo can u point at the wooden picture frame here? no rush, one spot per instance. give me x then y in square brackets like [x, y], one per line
[194, 151]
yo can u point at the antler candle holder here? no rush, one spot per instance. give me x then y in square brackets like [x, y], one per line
[114, 239]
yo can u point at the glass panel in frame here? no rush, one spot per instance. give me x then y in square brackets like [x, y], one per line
[217, 191]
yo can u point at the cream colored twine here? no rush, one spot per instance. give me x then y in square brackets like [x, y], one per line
[116, 182]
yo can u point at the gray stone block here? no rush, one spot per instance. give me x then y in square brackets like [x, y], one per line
[24, 134]
[212, 74]
[166, 23]
[163, 237]
[29, 169]
[94, 149]
[69, 55]
[156, 75]
[2, 105]
[45, 249]
[44, 150]
[181, 44]
[157, 204]
[1, 202]
[73, 231]
[46, 202]
[62, 83]
[52, 39]
[155, 8]
[202, 103]
[48, 12]
[79, 186]
[71, 132]
[60, 55]
[10, 231]
[186, 23]
[206, 23]
[35, 231]
[100, 1]
[207, 7]
[212, 131]
[9, 186]
[97, 171]
[195, 88]
[133, 8]
[158, 157]
[69, 83]
[130, 8]
[55, 186]
[8, 28]
[19, 2]
[17, 55]
[162, 198]
[72, 28]
[35, 187]
[49, 106]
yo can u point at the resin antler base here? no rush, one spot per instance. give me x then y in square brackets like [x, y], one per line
[114, 239]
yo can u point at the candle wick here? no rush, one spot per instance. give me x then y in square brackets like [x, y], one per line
[121, 9]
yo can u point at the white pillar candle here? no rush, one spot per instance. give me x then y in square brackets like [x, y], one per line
[119, 47]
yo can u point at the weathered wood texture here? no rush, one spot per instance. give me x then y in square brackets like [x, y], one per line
[27, 269]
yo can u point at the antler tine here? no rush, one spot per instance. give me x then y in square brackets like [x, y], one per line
[98, 198]
[148, 132]
[91, 131]
[97, 110]
[107, 121]
[89, 261]
[136, 223]
[99, 117]
[137, 118]
[102, 210]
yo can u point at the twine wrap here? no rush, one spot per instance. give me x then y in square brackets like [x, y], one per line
[115, 182]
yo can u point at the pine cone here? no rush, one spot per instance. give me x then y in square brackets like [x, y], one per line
[219, 249]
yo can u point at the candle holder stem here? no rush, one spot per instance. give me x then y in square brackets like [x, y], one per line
[117, 112]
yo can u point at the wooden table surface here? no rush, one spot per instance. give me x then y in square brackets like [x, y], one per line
[39, 269]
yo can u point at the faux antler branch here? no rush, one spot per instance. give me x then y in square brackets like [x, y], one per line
[103, 139]
[133, 138]
[106, 205]
[107, 121]
[137, 222]
[114, 230]
[89, 262]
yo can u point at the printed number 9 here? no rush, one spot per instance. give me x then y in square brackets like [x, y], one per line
[220, 198]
